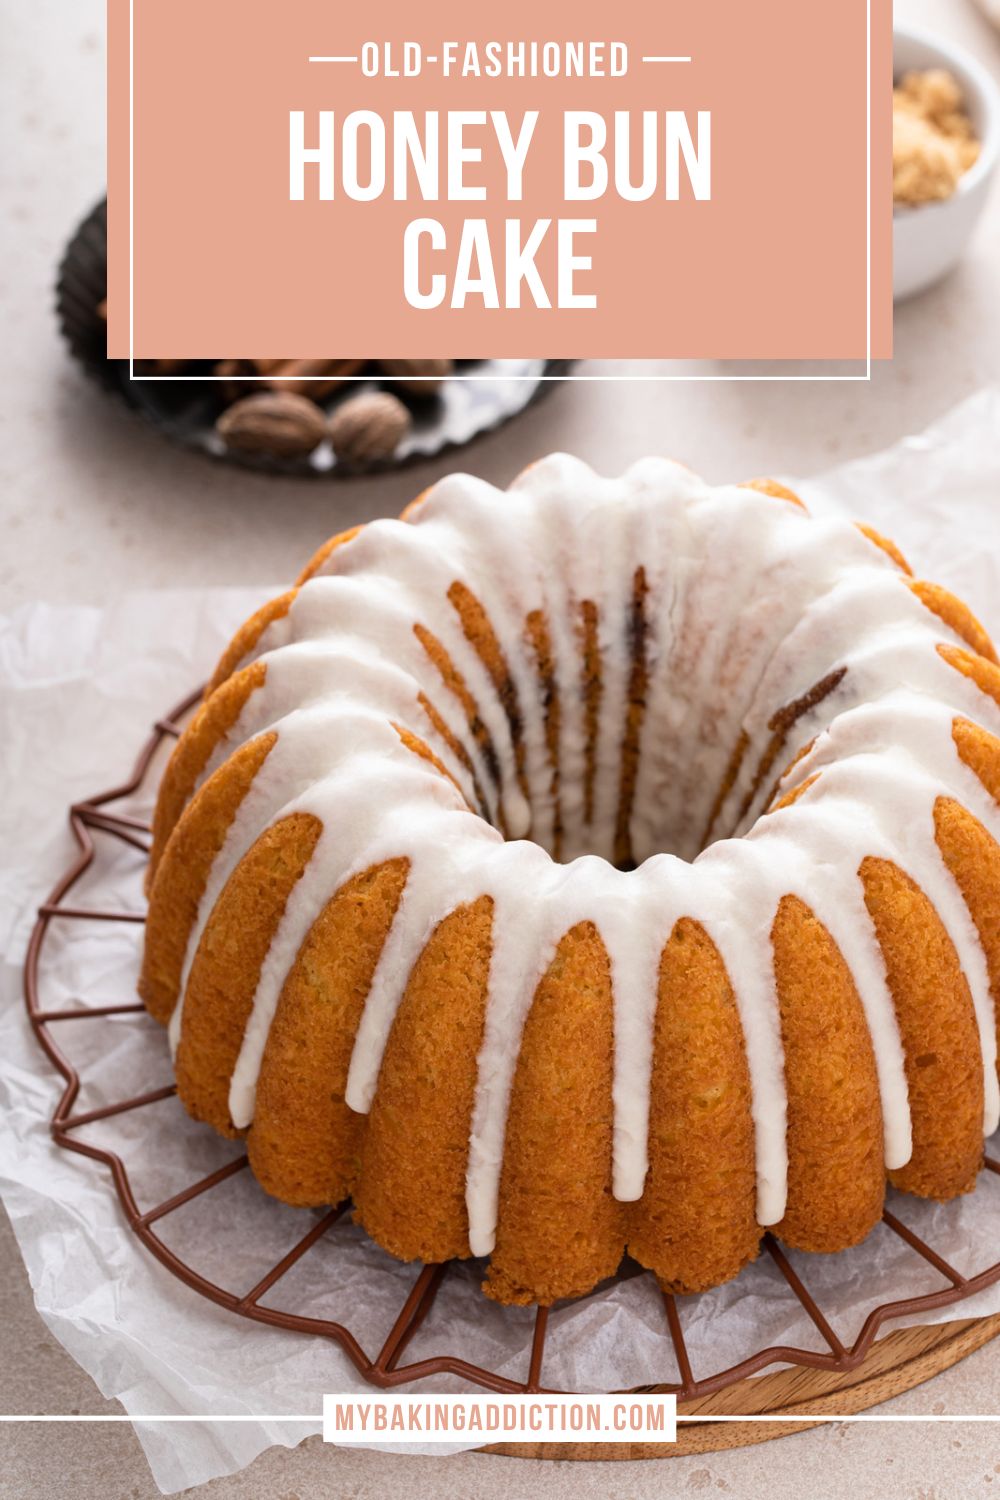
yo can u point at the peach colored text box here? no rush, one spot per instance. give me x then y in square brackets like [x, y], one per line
[774, 266]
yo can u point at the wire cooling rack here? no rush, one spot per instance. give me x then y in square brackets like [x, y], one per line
[384, 1368]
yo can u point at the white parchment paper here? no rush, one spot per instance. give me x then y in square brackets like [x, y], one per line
[78, 690]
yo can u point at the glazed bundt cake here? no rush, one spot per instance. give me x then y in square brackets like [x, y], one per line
[601, 866]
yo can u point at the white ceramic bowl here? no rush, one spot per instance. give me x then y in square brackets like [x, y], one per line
[929, 240]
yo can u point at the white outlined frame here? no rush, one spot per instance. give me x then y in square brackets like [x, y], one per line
[887, 1418]
[814, 1420]
[317, 1419]
[813, 378]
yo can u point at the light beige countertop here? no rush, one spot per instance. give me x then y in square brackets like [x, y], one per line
[92, 504]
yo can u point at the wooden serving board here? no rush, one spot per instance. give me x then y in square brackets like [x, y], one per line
[895, 1364]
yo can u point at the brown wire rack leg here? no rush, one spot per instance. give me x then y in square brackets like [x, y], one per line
[188, 1194]
[88, 914]
[88, 1013]
[413, 1312]
[688, 1385]
[923, 1249]
[107, 1111]
[538, 1349]
[296, 1253]
[805, 1297]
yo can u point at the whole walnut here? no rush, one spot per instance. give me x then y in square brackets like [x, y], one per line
[433, 373]
[368, 427]
[273, 422]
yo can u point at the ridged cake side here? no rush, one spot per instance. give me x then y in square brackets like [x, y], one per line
[416, 936]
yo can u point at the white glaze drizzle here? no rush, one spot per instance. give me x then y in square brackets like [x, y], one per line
[727, 644]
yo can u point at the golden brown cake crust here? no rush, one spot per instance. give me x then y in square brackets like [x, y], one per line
[213, 720]
[776, 490]
[411, 1193]
[973, 857]
[694, 1225]
[305, 1143]
[325, 552]
[559, 1229]
[635, 709]
[886, 545]
[455, 683]
[985, 674]
[248, 637]
[981, 752]
[481, 636]
[184, 870]
[956, 615]
[227, 965]
[539, 639]
[937, 1023]
[836, 1172]
[592, 687]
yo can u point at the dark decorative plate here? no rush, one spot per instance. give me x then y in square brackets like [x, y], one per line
[186, 411]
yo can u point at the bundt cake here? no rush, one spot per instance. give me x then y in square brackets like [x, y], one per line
[598, 866]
